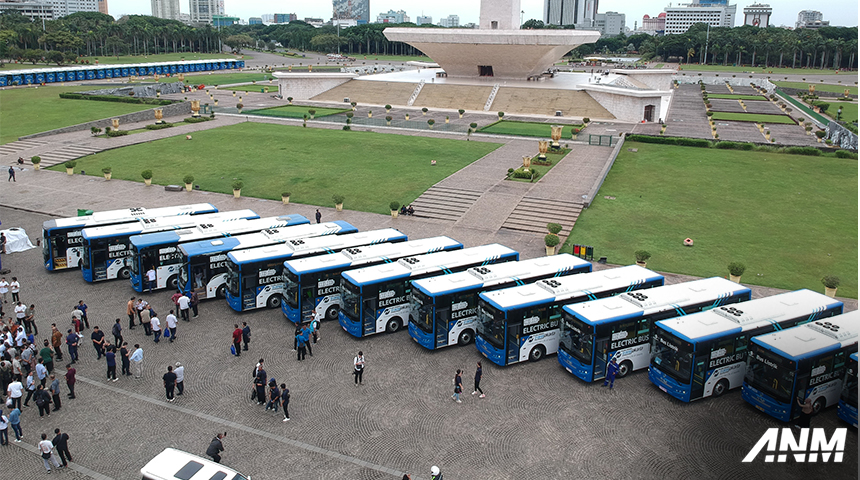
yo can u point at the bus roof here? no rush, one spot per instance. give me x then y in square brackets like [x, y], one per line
[430, 263]
[165, 223]
[210, 230]
[489, 275]
[315, 245]
[749, 315]
[127, 215]
[265, 237]
[367, 253]
[811, 339]
[561, 288]
[639, 304]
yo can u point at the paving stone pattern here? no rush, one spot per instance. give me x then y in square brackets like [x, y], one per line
[686, 117]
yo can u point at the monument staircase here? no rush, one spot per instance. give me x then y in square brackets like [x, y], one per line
[533, 213]
[415, 93]
[491, 98]
[445, 203]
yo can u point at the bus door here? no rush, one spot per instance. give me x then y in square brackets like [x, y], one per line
[601, 353]
[513, 329]
[308, 302]
[443, 315]
[368, 316]
[59, 245]
[801, 384]
[697, 388]
[99, 254]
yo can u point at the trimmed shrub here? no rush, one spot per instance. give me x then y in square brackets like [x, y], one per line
[693, 142]
[196, 119]
[394, 206]
[337, 199]
[551, 240]
[839, 154]
[727, 145]
[553, 228]
[238, 184]
[737, 268]
[642, 255]
[146, 174]
[831, 281]
[70, 164]
[159, 126]
[116, 133]
[188, 179]
[820, 133]
[811, 151]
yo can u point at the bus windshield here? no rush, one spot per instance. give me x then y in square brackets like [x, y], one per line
[291, 288]
[422, 310]
[183, 273]
[849, 390]
[770, 373]
[351, 298]
[577, 338]
[233, 279]
[672, 356]
[491, 325]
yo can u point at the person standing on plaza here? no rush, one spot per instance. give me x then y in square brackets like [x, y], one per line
[611, 371]
[15, 423]
[47, 355]
[171, 325]
[216, 447]
[318, 216]
[137, 361]
[123, 356]
[46, 449]
[57, 342]
[70, 379]
[302, 342]
[16, 368]
[130, 310]
[285, 401]
[806, 411]
[4, 285]
[358, 366]
[246, 335]
[297, 333]
[307, 331]
[15, 289]
[195, 301]
[72, 343]
[260, 386]
[155, 325]
[116, 330]
[83, 308]
[479, 372]
[274, 398]
[180, 378]
[150, 278]
[184, 304]
[458, 387]
[30, 320]
[140, 306]
[98, 338]
[110, 357]
[14, 392]
[237, 341]
[41, 372]
[61, 443]
[146, 317]
[4, 428]
[169, 383]
[11, 179]
[55, 392]
[20, 312]
[43, 401]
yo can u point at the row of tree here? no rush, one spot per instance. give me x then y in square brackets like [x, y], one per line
[93, 34]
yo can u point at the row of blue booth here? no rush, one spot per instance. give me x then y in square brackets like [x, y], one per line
[99, 72]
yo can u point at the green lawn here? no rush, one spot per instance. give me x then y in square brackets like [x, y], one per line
[25, 111]
[297, 111]
[369, 169]
[526, 129]
[273, 88]
[750, 70]
[392, 58]
[128, 59]
[753, 117]
[729, 96]
[790, 219]
[849, 111]
[228, 78]
[823, 87]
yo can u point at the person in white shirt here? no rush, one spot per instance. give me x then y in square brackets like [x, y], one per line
[184, 302]
[20, 312]
[15, 288]
[21, 337]
[171, 325]
[4, 289]
[46, 448]
[155, 324]
[180, 378]
[150, 278]
[15, 390]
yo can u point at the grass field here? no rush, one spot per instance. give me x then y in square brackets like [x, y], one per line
[369, 169]
[128, 59]
[849, 111]
[526, 129]
[297, 111]
[728, 96]
[757, 70]
[753, 117]
[24, 111]
[790, 219]
[822, 87]
[392, 58]
[273, 88]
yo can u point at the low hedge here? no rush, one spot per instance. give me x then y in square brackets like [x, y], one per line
[196, 119]
[111, 98]
[159, 126]
[695, 142]
[811, 151]
[116, 133]
[680, 141]
[845, 154]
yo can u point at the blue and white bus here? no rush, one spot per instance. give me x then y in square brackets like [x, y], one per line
[204, 263]
[847, 409]
[445, 309]
[619, 328]
[313, 283]
[805, 362]
[62, 243]
[524, 323]
[255, 275]
[376, 299]
[705, 354]
[160, 250]
[107, 250]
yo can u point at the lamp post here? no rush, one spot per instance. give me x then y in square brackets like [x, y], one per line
[838, 114]
[707, 37]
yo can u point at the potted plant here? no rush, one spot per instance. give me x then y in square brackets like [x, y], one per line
[424, 111]
[312, 112]
[388, 120]
[831, 283]
[95, 131]
[501, 114]
[147, 177]
[240, 106]
[736, 269]
[289, 100]
[305, 120]
[353, 104]
[338, 201]
[575, 132]
[285, 198]
[472, 128]
[107, 172]
[36, 161]
[370, 114]
[234, 94]
[70, 167]
[395, 207]
[189, 182]
[461, 112]
[387, 108]
[585, 121]
[642, 257]
[237, 188]
[447, 119]
[407, 116]
[551, 241]
[554, 228]
[431, 122]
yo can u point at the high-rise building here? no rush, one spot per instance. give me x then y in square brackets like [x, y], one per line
[284, 17]
[757, 15]
[103, 7]
[451, 21]
[811, 19]
[268, 17]
[581, 13]
[68, 7]
[424, 20]
[255, 21]
[392, 17]
[358, 10]
[610, 24]
[224, 21]
[167, 9]
[203, 10]
[654, 25]
[716, 13]
[33, 10]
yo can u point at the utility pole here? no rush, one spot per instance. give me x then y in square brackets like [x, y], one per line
[707, 37]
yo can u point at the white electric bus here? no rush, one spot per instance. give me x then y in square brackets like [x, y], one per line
[376, 299]
[524, 323]
[107, 250]
[445, 309]
[619, 328]
[705, 354]
[160, 250]
[204, 264]
[313, 283]
[255, 275]
[62, 244]
[847, 409]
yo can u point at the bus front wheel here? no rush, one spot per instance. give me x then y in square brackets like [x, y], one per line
[274, 301]
[331, 313]
[124, 273]
[537, 353]
[173, 283]
[625, 368]
[818, 405]
[393, 325]
[221, 292]
[721, 387]
[466, 337]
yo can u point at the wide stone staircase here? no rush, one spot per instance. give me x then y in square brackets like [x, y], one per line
[546, 101]
[444, 203]
[467, 97]
[19, 146]
[532, 214]
[68, 152]
[369, 92]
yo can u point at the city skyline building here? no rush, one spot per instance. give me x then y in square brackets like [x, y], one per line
[424, 20]
[203, 10]
[811, 19]
[758, 15]
[581, 13]
[67, 7]
[654, 25]
[716, 13]
[358, 10]
[103, 7]
[451, 21]
[33, 10]
[166, 9]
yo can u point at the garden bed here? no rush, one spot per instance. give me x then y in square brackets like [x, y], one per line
[753, 117]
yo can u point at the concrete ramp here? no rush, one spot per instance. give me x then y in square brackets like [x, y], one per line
[467, 97]
[369, 92]
[546, 101]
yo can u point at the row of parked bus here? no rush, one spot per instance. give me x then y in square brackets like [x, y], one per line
[697, 339]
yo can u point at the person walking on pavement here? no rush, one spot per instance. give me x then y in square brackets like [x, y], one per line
[43, 401]
[478, 374]
[195, 301]
[137, 361]
[72, 343]
[117, 333]
[110, 356]
[611, 371]
[46, 449]
[237, 340]
[123, 356]
[184, 304]
[4, 428]
[57, 342]
[169, 383]
[318, 215]
[55, 392]
[83, 308]
[302, 342]
[14, 392]
[15, 423]
[171, 325]
[458, 387]
[130, 311]
[358, 366]
[61, 443]
[98, 338]
[47, 355]
[30, 320]
[155, 325]
[70, 379]
[246, 335]
[180, 378]
[285, 401]
[11, 174]
[216, 447]
[306, 334]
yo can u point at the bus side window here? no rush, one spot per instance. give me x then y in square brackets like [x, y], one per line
[741, 344]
